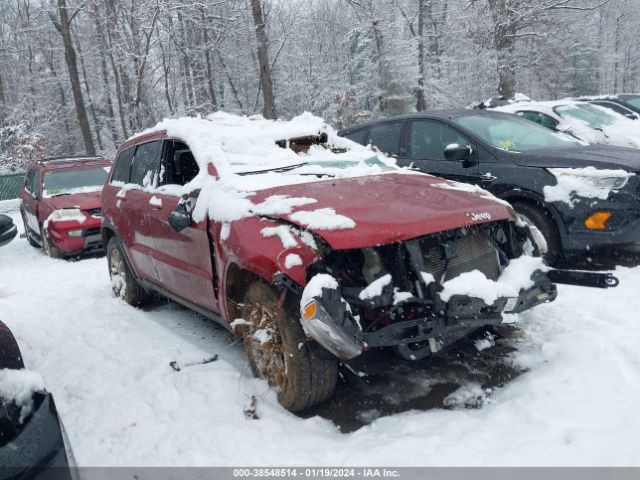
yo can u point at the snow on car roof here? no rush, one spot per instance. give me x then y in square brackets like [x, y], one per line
[544, 106]
[239, 144]
[245, 154]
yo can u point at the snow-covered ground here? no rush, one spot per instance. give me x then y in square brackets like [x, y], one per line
[107, 365]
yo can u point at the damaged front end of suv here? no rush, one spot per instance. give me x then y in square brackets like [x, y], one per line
[421, 295]
[396, 295]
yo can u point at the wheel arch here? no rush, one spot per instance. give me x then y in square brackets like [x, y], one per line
[236, 281]
[531, 198]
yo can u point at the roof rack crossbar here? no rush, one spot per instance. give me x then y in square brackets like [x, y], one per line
[70, 158]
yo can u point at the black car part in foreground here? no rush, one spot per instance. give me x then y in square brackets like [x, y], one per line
[8, 230]
[35, 447]
[518, 161]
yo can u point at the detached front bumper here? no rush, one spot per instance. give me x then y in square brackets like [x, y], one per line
[446, 323]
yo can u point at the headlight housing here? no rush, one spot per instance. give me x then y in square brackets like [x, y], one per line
[605, 179]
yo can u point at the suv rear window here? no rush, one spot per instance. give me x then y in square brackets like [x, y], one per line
[146, 163]
[122, 167]
[359, 136]
[386, 137]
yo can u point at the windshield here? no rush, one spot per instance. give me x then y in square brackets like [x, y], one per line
[593, 116]
[74, 180]
[509, 132]
[326, 167]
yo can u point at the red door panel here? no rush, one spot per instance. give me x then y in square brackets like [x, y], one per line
[134, 232]
[182, 259]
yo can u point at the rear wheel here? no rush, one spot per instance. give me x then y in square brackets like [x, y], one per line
[49, 248]
[123, 283]
[10, 356]
[303, 373]
[539, 218]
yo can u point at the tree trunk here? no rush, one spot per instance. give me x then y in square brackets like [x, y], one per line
[2, 101]
[63, 25]
[421, 103]
[208, 64]
[105, 80]
[504, 29]
[266, 84]
[96, 122]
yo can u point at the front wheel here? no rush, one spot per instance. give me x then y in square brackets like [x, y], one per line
[28, 233]
[49, 248]
[303, 373]
[123, 283]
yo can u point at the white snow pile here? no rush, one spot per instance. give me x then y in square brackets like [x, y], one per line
[471, 395]
[315, 285]
[283, 232]
[587, 182]
[292, 260]
[18, 386]
[375, 288]
[322, 219]
[515, 277]
[467, 187]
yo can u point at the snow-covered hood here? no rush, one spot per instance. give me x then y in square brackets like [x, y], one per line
[382, 209]
[599, 156]
[83, 201]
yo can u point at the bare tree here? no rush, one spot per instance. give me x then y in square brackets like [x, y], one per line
[266, 84]
[63, 25]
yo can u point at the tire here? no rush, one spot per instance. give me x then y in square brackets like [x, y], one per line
[49, 248]
[27, 232]
[10, 356]
[303, 373]
[123, 283]
[541, 219]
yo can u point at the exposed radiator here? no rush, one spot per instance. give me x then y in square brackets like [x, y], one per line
[473, 252]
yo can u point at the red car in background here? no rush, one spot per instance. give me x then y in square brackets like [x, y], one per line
[60, 205]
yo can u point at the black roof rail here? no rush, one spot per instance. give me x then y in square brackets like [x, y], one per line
[70, 158]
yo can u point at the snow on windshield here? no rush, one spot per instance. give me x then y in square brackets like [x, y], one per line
[67, 181]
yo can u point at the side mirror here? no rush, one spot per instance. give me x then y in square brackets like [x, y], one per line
[632, 116]
[180, 218]
[459, 153]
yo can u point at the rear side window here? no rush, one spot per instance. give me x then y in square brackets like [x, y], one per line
[122, 166]
[146, 164]
[359, 136]
[386, 137]
[615, 107]
[28, 180]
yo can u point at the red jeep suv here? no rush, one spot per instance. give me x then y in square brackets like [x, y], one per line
[60, 204]
[312, 248]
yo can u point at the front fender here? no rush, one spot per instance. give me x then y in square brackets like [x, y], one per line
[248, 245]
